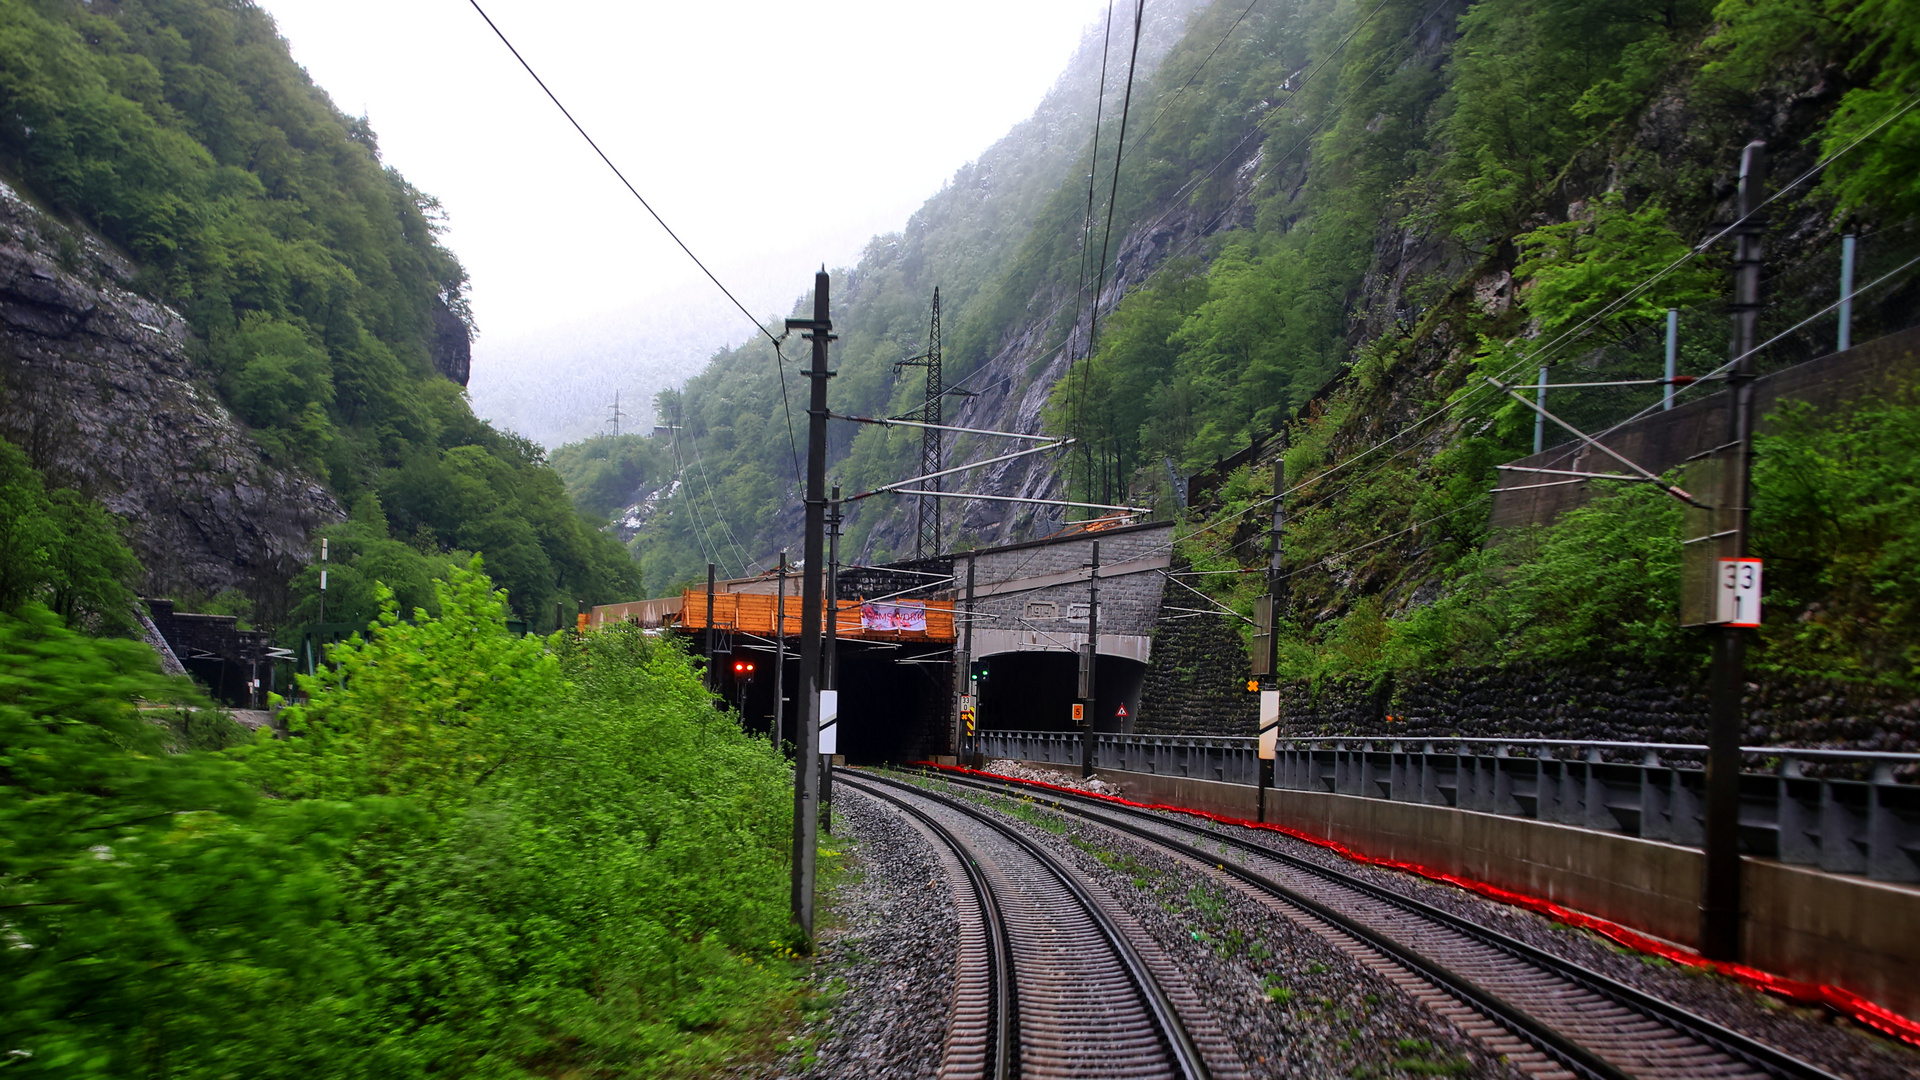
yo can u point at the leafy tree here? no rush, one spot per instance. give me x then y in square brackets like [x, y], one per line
[1573, 272]
[184, 132]
[273, 371]
[60, 549]
[604, 474]
[1835, 516]
[482, 854]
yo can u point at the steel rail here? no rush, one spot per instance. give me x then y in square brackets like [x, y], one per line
[1003, 1056]
[1754, 1053]
[1182, 1053]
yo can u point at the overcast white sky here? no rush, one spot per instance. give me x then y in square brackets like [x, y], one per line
[771, 136]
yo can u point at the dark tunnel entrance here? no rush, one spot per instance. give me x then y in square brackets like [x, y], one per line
[894, 699]
[1034, 691]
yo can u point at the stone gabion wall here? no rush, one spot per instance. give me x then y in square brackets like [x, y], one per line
[1196, 683]
[1596, 702]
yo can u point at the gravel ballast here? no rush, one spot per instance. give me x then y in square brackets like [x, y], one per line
[1292, 1004]
[1834, 1043]
[887, 947]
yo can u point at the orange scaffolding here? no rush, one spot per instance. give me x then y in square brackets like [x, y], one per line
[753, 613]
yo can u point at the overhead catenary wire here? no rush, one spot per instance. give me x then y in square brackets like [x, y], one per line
[1559, 341]
[680, 484]
[746, 565]
[1540, 354]
[1256, 129]
[1293, 93]
[628, 184]
[1113, 196]
[1707, 379]
[662, 222]
[1076, 389]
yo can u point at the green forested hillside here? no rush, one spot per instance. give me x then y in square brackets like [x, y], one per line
[1549, 202]
[182, 131]
[736, 502]
[1332, 219]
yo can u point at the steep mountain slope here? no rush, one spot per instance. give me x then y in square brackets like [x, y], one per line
[100, 389]
[230, 318]
[1333, 219]
[735, 501]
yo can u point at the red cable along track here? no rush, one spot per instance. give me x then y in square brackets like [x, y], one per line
[1869, 1013]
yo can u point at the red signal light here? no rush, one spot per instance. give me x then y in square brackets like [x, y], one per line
[742, 669]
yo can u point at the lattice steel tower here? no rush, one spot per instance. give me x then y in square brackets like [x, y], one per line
[927, 540]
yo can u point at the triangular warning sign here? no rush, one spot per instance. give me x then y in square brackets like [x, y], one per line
[1122, 712]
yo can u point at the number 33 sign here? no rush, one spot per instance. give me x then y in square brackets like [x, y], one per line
[1739, 592]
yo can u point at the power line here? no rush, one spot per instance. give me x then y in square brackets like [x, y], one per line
[1113, 193]
[1077, 389]
[746, 566]
[616, 169]
[635, 192]
[1566, 337]
[786, 406]
[1259, 127]
[680, 483]
[1171, 98]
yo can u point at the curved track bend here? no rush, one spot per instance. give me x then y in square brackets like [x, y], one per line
[1552, 1016]
[1053, 980]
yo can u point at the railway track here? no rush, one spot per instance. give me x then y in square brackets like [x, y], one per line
[1053, 979]
[1551, 1016]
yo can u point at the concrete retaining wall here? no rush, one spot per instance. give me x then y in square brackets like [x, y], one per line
[1861, 935]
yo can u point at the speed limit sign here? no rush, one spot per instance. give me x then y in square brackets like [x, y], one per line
[1738, 595]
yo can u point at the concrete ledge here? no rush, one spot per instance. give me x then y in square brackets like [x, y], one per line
[1860, 935]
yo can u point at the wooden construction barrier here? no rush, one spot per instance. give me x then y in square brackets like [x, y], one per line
[753, 613]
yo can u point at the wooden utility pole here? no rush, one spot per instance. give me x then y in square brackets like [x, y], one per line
[806, 771]
[1720, 887]
[779, 651]
[830, 664]
[1269, 718]
[711, 679]
[1089, 685]
[964, 670]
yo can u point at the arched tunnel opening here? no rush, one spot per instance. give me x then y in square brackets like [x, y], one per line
[1035, 691]
[894, 702]
[894, 699]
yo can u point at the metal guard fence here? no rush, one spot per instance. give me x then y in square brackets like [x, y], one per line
[1799, 805]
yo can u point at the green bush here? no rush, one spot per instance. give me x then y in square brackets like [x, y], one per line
[479, 854]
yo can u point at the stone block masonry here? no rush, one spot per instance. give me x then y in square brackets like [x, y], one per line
[1196, 681]
[1196, 685]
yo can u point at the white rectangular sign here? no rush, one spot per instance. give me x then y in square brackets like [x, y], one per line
[1738, 594]
[1269, 722]
[829, 728]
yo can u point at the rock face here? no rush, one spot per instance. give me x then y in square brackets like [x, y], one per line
[451, 346]
[99, 388]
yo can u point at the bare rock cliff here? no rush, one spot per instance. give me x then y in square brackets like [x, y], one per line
[98, 386]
